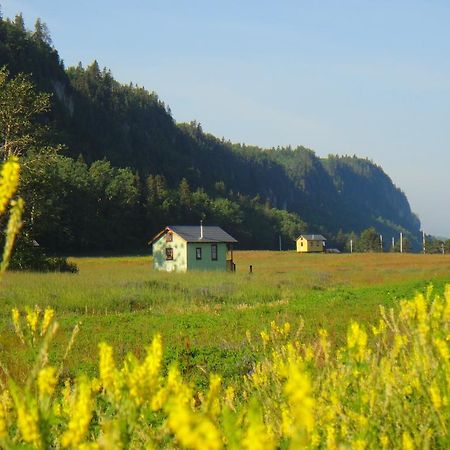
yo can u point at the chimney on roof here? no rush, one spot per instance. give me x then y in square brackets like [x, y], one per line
[201, 229]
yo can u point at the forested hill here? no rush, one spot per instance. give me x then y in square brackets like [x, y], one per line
[129, 168]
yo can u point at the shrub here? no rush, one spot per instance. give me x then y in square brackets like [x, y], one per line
[27, 255]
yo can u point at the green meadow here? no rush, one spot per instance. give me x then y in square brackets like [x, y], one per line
[203, 317]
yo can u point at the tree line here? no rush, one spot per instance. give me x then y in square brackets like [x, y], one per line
[106, 166]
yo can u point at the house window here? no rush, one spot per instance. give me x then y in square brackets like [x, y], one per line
[169, 254]
[198, 253]
[214, 252]
[169, 237]
[301, 243]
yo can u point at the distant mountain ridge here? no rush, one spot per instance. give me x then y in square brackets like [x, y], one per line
[95, 116]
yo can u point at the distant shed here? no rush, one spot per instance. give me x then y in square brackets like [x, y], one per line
[310, 243]
[185, 247]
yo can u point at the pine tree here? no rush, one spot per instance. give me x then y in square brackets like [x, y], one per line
[41, 33]
[19, 22]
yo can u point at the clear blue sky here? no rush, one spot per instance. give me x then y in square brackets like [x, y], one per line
[364, 77]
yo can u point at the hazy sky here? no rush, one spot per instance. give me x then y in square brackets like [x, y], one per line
[364, 77]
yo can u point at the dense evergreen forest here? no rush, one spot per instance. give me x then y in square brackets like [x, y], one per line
[105, 166]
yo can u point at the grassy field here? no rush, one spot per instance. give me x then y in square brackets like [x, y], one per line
[203, 317]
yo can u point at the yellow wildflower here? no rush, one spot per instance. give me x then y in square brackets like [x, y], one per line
[359, 444]
[442, 348]
[46, 381]
[298, 392]
[28, 421]
[384, 441]
[407, 441]
[12, 229]
[331, 438]
[80, 415]
[323, 334]
[9, 180]
[265, 337]
[142, 379]
[229, 397]
[48, 316]
[3, 423]
[357, 340]
[435, 395]
[15, 315]
[107, 367]
[66, 395]
[274, 327]
[212, 402]
[15, 318]
[257, 436]
[193, 431]
[32, 318]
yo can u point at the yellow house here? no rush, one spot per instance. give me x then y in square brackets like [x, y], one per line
[310, 243]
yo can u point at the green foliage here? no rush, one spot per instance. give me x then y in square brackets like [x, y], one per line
[27, 255]
[369, 241]
[19, 105]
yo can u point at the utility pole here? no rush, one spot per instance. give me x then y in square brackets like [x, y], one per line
[401, 242]
[393, 243]
[351, 245]
[442, 248]
[279, 241]
[381, 242]
[424, 242]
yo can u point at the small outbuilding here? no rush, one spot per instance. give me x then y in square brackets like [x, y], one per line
[310, 243]
[184, 247]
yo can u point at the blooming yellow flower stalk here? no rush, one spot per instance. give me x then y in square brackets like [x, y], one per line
[12, 229]
[265, 337]
[46, 381]
[15, 318]
[298, 392]
[443, 349]
[177, 388]
[66, 396]
[193, 430]
[9, 180]
[257, 436]
[80, 415]
[229, 397]
[28, 421]
[3, 423]
[357, 340]
[142, 379]
[331, 438]
[107, 367]
[32, 318]
[435, 395]
[15, 315]
[407, 442]
[211, 405]
[48, 316]
[324, 343]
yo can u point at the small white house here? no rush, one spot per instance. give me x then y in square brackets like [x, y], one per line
[184, 247]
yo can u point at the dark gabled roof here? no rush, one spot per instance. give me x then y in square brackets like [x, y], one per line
[312, 237]
[191, 233]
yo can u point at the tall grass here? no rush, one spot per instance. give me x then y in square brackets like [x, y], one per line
[204, 316]
[386, 387]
